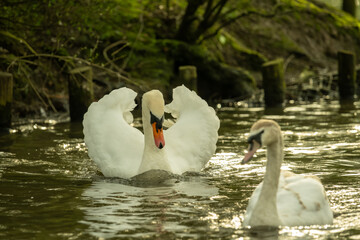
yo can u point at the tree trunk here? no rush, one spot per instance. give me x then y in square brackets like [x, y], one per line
[186, 31]
[193, 26]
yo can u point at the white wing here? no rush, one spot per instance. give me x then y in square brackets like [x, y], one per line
[114, 145]
[191, 141]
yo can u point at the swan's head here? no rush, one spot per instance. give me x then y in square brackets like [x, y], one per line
[263, 133]
[153, 106]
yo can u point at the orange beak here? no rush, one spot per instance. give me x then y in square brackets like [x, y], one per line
[158, 136]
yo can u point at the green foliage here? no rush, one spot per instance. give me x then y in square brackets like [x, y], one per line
[67, 24]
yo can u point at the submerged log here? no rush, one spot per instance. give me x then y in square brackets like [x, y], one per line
[81, 93]
[273, 83]
[347, 76]
[6, 96]
[188, 76]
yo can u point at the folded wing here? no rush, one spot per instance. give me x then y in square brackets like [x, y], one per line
[302, 201]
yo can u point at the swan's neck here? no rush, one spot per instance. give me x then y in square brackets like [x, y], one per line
[153, 157]
[265, 212]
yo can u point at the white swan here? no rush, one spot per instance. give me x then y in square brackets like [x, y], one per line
[121, 150]
[283, 198]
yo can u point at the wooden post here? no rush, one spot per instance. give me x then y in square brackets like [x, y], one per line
[188, 76]
[6, 96]
[358, 82]
[81, 93]
[347, 75]
[273, 83]
[349, 6]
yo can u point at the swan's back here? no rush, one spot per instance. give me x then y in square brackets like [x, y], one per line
[301, 200]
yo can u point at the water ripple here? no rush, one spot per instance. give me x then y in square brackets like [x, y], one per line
[49, 188]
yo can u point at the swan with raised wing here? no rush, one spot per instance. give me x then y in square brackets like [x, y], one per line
[120, 150]
[283, 198]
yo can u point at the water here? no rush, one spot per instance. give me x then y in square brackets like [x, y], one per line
[50, 189]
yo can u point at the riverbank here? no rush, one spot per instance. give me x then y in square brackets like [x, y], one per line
[132, 44]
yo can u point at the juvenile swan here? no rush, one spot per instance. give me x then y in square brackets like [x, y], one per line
[283, 198]
[121, 150]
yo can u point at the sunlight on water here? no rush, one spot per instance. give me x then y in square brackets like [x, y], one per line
[305, 150]
[314, 232]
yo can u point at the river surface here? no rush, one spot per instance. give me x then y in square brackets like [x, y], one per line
[50, 189]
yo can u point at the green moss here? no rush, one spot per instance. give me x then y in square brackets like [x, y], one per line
[240, 48]
[284, 42]
[226, 48]
[341, 19]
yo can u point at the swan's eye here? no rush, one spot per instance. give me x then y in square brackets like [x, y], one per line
[156, 120]
[256, 137]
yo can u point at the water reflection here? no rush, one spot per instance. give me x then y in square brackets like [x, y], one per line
[119, 210]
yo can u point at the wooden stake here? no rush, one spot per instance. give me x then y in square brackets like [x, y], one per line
[347, 75]
[6, 96]
[81, 93]
[188, 76]
[273, 83]
[350, 7]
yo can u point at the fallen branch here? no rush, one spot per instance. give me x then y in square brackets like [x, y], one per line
[111, 62]
[25, 73]
[18, 39]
